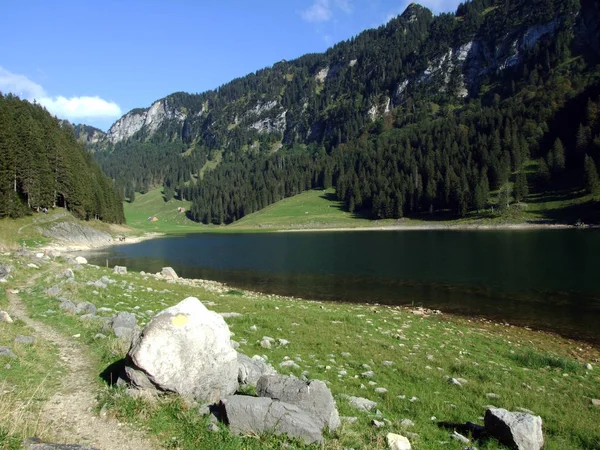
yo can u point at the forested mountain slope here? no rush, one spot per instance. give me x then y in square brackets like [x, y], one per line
[42, 165]
[423, 114]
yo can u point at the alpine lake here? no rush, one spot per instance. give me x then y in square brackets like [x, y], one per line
[541, 278]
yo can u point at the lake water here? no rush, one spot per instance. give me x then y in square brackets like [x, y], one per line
[546, 279]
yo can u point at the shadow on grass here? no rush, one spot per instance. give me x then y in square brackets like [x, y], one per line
[113, 372]
[587, 212]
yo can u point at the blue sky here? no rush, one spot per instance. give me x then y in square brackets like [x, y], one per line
[92, 61]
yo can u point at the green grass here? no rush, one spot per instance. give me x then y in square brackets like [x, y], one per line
[527, 369]
[153, 204]
[310, 209]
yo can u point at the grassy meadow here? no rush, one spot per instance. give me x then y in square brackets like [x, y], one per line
[410, 355]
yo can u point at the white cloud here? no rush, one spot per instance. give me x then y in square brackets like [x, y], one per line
[322, 10]
[73, 108]
[319, 11]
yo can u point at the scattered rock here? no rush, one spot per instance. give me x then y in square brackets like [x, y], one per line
[405, 423]
[68, 273]
[80, 260]
[36, 444]
[588, 366]
[32, 266]
[381, 390]
[516, 430]
[459, 437]
[67, 306]
[53, 291]
[265, 343]
[169, 273]
[6, 352]
[314, 396]
[85, 308]
[377, 423]
[492, 395]
[397, 442]
[257, 415]
[360, 403]
[289, 363]
[120, 270]
[251, 369]
[4, 271]
[185, 349]
[227, 315]
[123, 324]
[283, 342]
[26, 340]
[596, 402]
[5, 317]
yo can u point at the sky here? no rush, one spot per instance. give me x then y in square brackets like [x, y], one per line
[92, 61]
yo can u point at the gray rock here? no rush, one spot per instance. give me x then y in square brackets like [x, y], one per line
[516, 430]
[459, 437]
[124, 325]
[265, 343]
[5, 317]
[360, 403]
[120, 270]
[169, 273]
[289, 363]
[68, 306]
[252, 415]
[80, 260]
[377, 423]
[85, 308]
[53, 291]
[68, 273]
[227, 315]
[26, 340]
[6, 352]
[405, 423]
[99, 284]
[36, 444]
[251, 369]
[4, 271]
[314, 396]
[397, 442]
[185, 349]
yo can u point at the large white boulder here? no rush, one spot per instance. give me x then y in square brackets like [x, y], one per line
[516, 430]
[185, 349]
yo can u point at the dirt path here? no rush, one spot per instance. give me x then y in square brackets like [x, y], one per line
[69, 413]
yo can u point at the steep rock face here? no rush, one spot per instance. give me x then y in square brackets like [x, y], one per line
[462, 68]
[151, 118]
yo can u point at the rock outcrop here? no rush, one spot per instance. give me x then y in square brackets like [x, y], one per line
[252, 415]
[251, 369]
[516, 430]
[185, 349]
[73, 233]
[314, 397]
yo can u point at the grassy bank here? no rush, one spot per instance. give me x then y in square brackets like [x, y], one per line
[333, 342]
[319, 209]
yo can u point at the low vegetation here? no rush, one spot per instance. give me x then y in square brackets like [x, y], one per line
[505, 366]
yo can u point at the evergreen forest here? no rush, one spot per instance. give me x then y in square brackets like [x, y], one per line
[424, 115]
[43, 165]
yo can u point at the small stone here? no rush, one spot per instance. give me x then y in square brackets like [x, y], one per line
[377, 423]
[6, 352]
[213, 428]
[81, 260]
[454, 381]
[265, 344]
[459, 437]
[368, 374]
[289, 363]
[4, 317]
[388, 363]
[381, 390]
[405, 423]
[283, 342]
[596, 402]
[352, 419]
[25, 340]
[588, 366]
[492, 395]
[397, 442]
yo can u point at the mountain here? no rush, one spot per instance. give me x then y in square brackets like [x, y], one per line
[42, 165]
[423, 114]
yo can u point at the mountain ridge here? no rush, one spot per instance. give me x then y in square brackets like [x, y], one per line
[415, 69]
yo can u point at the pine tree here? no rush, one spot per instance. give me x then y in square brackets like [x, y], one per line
[592, 184]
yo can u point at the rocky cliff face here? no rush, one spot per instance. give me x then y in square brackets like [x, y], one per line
[149, 119]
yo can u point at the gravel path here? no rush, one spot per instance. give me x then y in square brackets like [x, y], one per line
[69, 413]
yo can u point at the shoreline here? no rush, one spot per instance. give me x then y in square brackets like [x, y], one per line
[60, 247]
